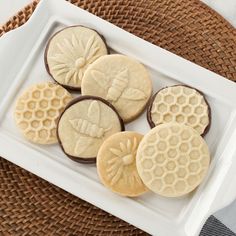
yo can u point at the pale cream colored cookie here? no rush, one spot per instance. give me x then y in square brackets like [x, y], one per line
[180, 104]
[122, 81]
[84, 125]
[116, 164]
[38, 109]
[172, 159]
[70, 51]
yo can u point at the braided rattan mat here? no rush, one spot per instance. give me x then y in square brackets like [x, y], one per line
[32, 206]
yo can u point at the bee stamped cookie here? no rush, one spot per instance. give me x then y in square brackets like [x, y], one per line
[116, 164]
[122, 81]
[84, 125]
[37, 111]
[70, 51]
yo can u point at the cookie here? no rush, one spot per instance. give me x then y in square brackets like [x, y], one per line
[122, 81]
[84, 125]
[116, 164]
[172, 159]
[70, 51]
[180, 104]
[37, 111]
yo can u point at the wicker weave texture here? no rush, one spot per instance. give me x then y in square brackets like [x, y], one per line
[185, 27]
[32, 206]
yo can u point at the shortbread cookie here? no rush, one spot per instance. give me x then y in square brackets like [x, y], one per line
[180, 104]
[84, 125]
[116, 164]
[120, 80]
[38, 109]
[172, 159]
[70, 51]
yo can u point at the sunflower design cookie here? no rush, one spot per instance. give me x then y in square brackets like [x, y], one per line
[70, 51]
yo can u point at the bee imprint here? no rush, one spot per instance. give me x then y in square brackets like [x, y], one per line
[121, 158]
[88, 128]
[119, 86]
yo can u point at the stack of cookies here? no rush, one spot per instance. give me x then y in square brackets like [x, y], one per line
[171, 159]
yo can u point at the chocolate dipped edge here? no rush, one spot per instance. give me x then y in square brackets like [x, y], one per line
[46, 52]
[152, 124]
[83, 160]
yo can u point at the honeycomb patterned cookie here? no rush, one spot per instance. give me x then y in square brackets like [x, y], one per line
[116, 164]
[172, 159]
[70, 51]
[180, 104]
[37, 111]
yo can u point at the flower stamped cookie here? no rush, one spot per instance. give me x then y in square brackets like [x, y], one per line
[172, 159]
[84, 125]
[122, 81]
[37, 111]
[116, 164]
[70, 51]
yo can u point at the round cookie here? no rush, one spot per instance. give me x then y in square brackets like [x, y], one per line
[180, 104]
[70, 51]
[84, 125]
[37, 111]
[172, 159]
[122, 81]
[116, 164]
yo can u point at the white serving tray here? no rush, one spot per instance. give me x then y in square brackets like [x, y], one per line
[21, 64]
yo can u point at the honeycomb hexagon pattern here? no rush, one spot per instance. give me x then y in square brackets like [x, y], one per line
[37, 111]
[172, 159]
[180, 104]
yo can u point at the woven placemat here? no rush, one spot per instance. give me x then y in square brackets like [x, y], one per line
[32, 206]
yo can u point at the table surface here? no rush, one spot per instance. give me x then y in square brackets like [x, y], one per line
[227, 8]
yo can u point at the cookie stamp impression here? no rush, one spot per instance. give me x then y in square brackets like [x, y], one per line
[70, 51]
[172, 159]
[120, 80]
[84, 125]
[116, 164]
[38, 109]
[180, 104]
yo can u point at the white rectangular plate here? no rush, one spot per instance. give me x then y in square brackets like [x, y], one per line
[21, 64]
